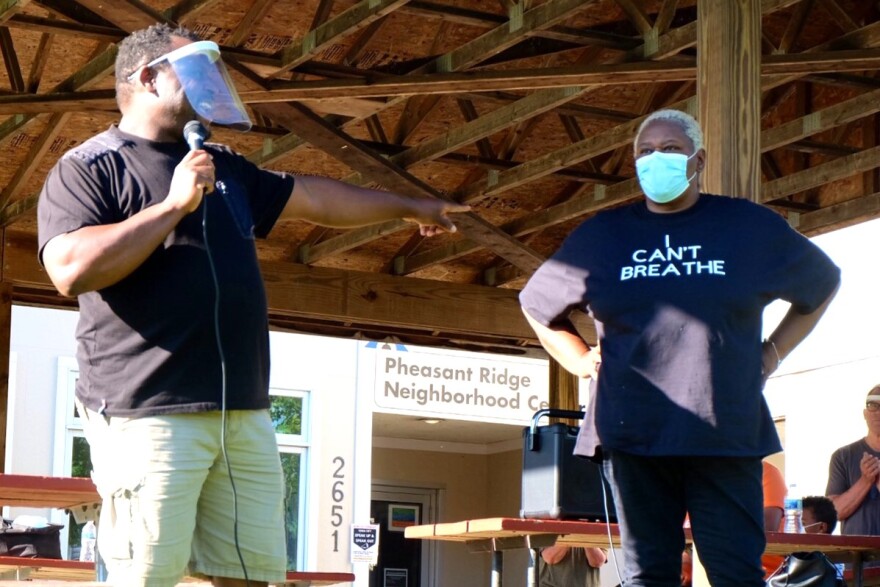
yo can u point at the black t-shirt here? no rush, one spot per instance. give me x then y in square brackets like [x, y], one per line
[147, 344]
[678, 301]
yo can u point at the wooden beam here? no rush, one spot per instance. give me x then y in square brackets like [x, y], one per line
[352, 153]
[466, 16]
[685, 37]
[433, 148]
[794, 26]
[665, 16]
[38, 65]
[33, 158]
[837, 216]
[550, 162]
[5, 334]
[564, 387]
[406, 302]
[15, 210]
[574, 76]
[506, 35]
[99, 100]
[254, 14]
[64, 27]
[347, 22]
[129, 15]
[551, 77]
[729, 55]
[10, 60]
[8, 8]
[585, 202]
[502, 36]
[636, 16]
[819, 175]
[345, 296]
[821, 120]
[88, 75]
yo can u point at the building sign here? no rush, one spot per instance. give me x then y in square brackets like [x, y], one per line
[465, 385]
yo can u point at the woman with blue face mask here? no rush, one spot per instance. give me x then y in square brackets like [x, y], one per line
[668, 164]
[676, 284]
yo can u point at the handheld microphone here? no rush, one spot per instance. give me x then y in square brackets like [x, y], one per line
[195, 134]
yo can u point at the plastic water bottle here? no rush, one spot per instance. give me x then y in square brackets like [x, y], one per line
[793, 513]
[88, 542]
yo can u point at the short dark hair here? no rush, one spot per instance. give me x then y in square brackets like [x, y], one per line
[141, 47]
[823, 510]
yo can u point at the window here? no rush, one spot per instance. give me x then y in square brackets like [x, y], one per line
[72, 457]
[288, 410]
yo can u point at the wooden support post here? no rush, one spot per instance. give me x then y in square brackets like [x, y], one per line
[729, 95]
[729, 104]
[5, 333]
[563, 390]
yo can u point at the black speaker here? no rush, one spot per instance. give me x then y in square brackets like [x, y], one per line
[556, 484]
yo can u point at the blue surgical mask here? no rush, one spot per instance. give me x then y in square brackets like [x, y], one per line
[663, 176]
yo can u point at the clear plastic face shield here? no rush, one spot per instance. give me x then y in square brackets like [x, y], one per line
[207, 84]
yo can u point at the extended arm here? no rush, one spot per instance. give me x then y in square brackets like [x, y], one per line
[328, 202]
[568, 348]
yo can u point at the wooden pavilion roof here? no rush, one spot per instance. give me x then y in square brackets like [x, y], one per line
[525, 110]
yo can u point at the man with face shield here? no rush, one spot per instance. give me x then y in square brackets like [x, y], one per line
[157, 241]
[677, 284]
[206, 83]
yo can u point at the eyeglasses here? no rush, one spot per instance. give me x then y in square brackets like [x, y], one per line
[872, 406]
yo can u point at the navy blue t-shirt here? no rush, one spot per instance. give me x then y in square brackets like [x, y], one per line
[147, 345]
[677, 300]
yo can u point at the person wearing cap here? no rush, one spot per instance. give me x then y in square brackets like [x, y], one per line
[677, 284]
[155, 236]
[854, 476]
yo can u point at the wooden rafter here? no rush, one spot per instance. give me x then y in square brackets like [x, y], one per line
[34, 156]
[381, 170]
[352, 20]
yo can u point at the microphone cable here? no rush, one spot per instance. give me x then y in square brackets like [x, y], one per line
[608, 522]
[201, 133]
[219, 343]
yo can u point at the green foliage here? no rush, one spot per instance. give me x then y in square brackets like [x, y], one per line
[286, 414]
[80, 466]
[290, 465]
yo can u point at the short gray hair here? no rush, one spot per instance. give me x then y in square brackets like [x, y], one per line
[688, 124]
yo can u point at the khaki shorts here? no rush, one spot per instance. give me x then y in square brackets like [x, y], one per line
[168, 502]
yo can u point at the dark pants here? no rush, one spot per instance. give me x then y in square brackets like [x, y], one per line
[723, 497]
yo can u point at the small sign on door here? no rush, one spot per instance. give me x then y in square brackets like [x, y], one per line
[396, 578]
[365, 543]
